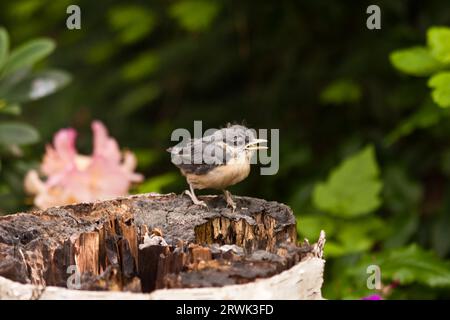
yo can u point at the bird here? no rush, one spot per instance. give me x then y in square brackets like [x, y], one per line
[216, 161]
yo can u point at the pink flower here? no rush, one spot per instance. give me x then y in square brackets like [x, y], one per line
[73, 178]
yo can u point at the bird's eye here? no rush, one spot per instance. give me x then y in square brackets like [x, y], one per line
[247, 139]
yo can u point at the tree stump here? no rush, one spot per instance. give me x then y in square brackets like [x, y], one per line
[155, 246]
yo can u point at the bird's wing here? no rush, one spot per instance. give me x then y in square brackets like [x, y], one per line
[199, 156]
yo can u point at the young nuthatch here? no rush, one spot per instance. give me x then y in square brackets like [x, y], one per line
[216, 161]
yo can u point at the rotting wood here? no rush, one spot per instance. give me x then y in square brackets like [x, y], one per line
[150, 242]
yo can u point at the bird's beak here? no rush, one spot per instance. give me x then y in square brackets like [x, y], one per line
[253, 145]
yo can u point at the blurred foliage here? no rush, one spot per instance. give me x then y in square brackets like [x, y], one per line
[440, 83]
[352, 189]
[423, 61]
[363, 115]
[341, 92]
[132, 23]
[439, 42]
[19, 84]
[194, 15]
[416, 61]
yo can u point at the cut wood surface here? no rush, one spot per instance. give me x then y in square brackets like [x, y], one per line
[159, 244]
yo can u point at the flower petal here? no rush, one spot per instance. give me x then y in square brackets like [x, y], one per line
[129, 164]
[104, 146]
[32, 183]
[74, 178]
[61, 155]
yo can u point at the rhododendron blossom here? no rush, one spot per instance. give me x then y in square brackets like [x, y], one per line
[73, 178]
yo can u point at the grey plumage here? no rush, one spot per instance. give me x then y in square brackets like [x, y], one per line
[216, 161]
[199, 156]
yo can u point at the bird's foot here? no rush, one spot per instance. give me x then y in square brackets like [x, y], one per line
[229, 200]
[195, 199]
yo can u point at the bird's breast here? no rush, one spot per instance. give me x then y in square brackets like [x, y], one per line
[220, 177]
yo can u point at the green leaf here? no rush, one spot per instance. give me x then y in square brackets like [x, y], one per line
[353, 188]
[358, 235]
[440, 83]
[401, 193]
[15, 133]
[402, 197]
[416, 61]
[100, 52]
[141, 67]
[28, 54]
[131, 22]
[359, 243]
[401, 229]
[425, 117]
[309, 226]
[439, 239]
[24, 10]
[194, 15]
[4, 46]
[414, 265]
[146, 157]
[37, 86]
[340, 92]
[12, 109]
[137, 98]
[156, 184]
[438, 39]
[9, 81]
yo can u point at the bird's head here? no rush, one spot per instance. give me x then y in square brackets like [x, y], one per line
[243, 141]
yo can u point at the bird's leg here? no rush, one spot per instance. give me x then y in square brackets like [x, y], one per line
[229, 199]
[194, 198]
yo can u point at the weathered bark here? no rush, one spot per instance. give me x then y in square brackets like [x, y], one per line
[149, 242]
